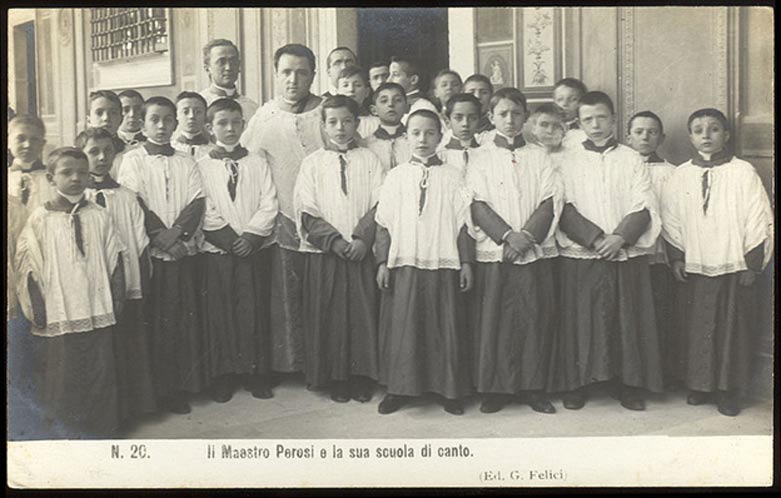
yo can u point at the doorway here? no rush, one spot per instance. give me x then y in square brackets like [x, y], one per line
[420, 33]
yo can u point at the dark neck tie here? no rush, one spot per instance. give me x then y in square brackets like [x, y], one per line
[427, 163]
[653, 157]
[236, 154]
[502, 142]
[383, 134]
[343, 170]
[100, 199]
[706, 188]
[716, 159]
[158, 150]
[62, 204]
[233, 176]
[589, 145]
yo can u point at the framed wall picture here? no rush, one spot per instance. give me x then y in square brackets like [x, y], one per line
[496, 62]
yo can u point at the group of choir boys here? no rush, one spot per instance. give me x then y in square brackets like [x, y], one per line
[453, 244]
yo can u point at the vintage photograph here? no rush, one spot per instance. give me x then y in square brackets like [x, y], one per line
[401, 224]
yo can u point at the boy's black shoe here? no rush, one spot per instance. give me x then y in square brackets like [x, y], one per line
[340, 392]
[492, 403]
[391, 403]
[177, 403]
[260, 387]
[453, 406]
[361, 389]
[727, 403]
[539, 402]
[222, 390]
[632, 398]
[574, 400]
[696, 398]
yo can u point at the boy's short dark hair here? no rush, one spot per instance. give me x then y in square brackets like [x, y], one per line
[192, 95]
[411, 68]
[376, 64]
[131, 94]
[350, 71]
[218, 42]
[160, 101]
[462, 97]
[337, 49]
[445, 72]
[595, 98]
[388, 86]
[481, 78]
[297, 50]
[573, 83]
[509, 93]
[29, 120]
[222, 105]
[338, 101]
[645, 114]
[548, 108]
[426, 113]
[57, 154]
[93, 134]
[709, 112]
[104, 94]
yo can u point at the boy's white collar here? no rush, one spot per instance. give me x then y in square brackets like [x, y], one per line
[73, 199]
[227, 147]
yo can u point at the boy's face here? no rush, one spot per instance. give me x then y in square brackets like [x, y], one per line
[226, 126]
[294, 77]
[708, 135]
[191, 115]
[445, 87]
[340, 124]
[104, 113]
[645, 136]
[378, 76]
[483, 93]
[508, 117]
[548, 129]
[159, 123]
[338, 61]
[223, 67]
[354, 87]
[597, 121]
[390, 107]
[100, 153]
[423, 135]
[399, 75]
[132, 109]
[567, 98]
[71, 175]
[25, 142]
[463, 120]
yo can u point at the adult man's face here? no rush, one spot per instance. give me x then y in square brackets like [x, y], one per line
[338, 61]
[223, 67]
[294, 77]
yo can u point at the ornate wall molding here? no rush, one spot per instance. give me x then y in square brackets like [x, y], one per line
[65, 26]
[721, 36]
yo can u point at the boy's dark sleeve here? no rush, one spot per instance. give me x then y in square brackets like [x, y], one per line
[540, 221]
[673, 253]
[118, 286]
[223, 237]
[382, 242]
[320, 233]
[190, 217]
[366, 228]
[633, 226]
[466, 246]
[152, 223]
[755, 258]
[37, 302]
[255, 240]
[577, 227]
[490, 222]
